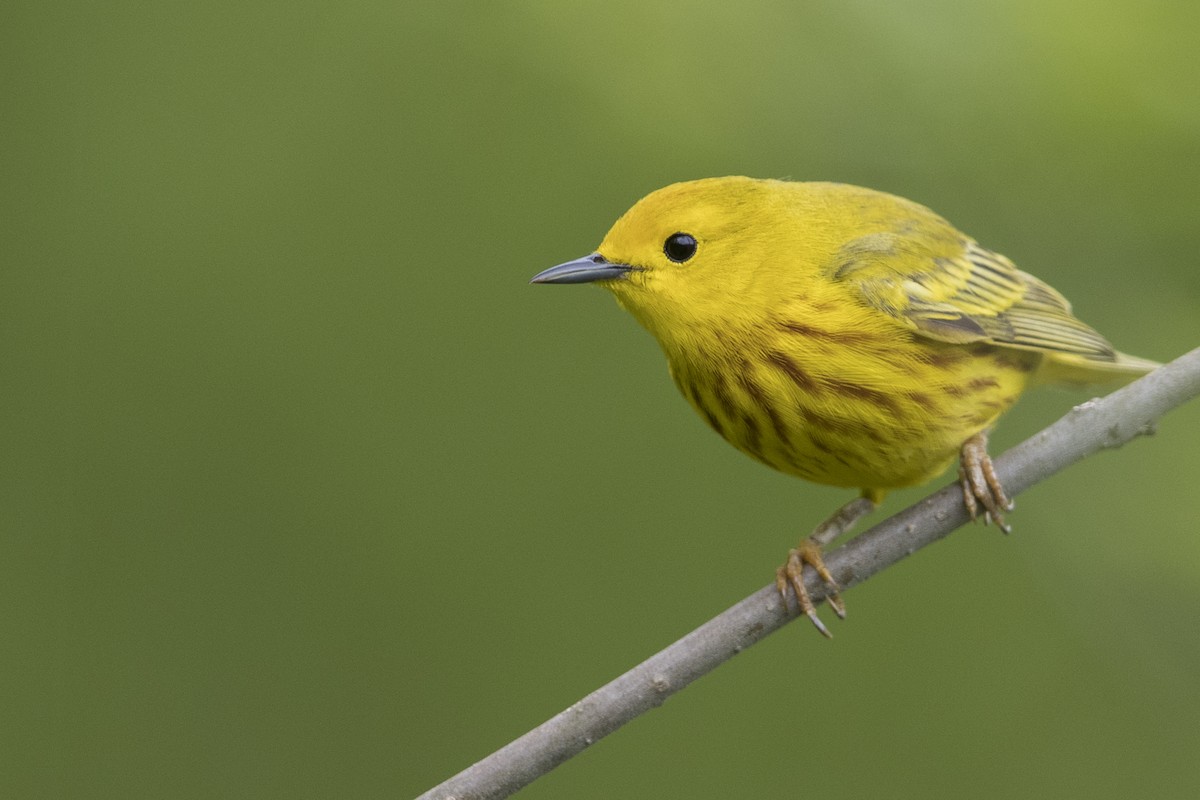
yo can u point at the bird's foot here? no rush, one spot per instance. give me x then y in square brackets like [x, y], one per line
[810, 551]
[792, 574]
[980, 486]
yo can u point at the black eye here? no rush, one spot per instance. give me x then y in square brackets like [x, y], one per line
[679, 247]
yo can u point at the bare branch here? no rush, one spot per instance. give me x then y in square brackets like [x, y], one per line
[1097, 424]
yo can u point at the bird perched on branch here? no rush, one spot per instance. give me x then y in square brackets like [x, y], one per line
[841, 334]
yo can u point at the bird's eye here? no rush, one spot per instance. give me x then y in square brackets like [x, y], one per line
[679, 247]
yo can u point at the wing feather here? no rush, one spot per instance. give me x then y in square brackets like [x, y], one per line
[957, 291]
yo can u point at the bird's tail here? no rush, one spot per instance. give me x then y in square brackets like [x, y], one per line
[1071, 369]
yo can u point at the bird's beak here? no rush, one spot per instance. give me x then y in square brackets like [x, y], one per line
[583, 270]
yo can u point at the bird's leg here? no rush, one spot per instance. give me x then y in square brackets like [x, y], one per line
[980, 486]
[810, 552]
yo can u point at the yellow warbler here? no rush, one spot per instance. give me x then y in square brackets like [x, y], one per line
[841, 334]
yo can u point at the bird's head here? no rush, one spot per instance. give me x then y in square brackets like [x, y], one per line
[697, 254]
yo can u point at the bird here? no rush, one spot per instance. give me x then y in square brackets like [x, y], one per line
[843, 335]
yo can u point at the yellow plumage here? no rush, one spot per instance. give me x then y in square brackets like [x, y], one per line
[837, 333]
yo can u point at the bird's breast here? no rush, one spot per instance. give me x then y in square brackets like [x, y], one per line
[845, 407]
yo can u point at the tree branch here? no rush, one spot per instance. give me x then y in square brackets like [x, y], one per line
[1097, 424]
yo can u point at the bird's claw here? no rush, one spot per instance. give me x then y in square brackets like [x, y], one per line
[791, 574]
[980, 485]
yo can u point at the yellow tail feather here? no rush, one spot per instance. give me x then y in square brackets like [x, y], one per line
[1077, 370]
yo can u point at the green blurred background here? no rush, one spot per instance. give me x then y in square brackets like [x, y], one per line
[306, 493]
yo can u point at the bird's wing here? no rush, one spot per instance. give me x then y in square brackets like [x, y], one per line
[956, 291]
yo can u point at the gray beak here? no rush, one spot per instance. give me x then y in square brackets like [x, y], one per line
[583, 270]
